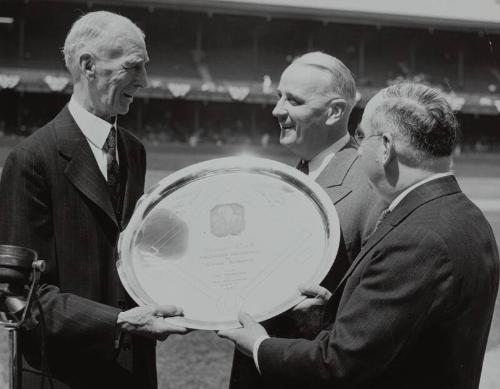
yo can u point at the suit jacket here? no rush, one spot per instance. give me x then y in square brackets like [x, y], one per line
[54, 199]
[358, 208]
[414, 309]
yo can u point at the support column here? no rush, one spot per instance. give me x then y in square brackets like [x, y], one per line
[461, 67]
[19, 113]
[310, 41]
[255, 47]
[196, 117]
[199, 38]
[413, 56]
[361, 58]
[253, 121]
[21, 38]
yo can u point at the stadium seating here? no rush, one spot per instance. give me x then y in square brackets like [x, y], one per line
[197, 47]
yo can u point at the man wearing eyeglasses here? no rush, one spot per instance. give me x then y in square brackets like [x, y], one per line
[316, 95]
[415, 308]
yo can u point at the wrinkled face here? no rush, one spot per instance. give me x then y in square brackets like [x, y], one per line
[371, 149]
[120, 72]
[303, 108]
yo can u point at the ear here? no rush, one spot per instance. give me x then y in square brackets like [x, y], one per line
[389, 149]
[336, 111]
[87, 65]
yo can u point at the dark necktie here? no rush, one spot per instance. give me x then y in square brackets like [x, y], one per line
[303, 166]
[112, 166]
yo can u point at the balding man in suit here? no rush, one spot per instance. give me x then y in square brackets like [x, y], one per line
[415, 308]
[316, 95]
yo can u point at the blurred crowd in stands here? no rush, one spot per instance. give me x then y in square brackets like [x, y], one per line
[473, 137]
[222, 49]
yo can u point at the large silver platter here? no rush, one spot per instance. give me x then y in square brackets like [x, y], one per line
[230, 234]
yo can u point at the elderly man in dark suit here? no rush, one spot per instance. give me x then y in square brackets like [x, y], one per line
[67, 191]
[414, 309]
[316, 95]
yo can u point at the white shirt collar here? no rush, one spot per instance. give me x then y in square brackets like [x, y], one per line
[405, 193]
[318, 163]
[94, 128]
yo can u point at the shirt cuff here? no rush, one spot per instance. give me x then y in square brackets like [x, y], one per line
[255, 350]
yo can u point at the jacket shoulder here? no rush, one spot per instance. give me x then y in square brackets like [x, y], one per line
[130, 137]
[39, 142]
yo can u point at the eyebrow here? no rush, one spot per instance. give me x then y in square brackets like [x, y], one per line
[135, 59]
[295, 96]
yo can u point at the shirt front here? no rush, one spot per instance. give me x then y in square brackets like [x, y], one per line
[95, 130]
[319, 162]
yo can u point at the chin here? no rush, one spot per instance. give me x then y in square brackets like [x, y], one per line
[288, 139]
[123, 110]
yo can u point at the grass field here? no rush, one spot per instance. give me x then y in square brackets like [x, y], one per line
[200, 360]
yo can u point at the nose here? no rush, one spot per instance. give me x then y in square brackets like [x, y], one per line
[279, 110]
[142, 77]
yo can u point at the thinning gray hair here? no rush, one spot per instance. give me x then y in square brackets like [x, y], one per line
[342, 84]
[93, 32]
[421, 117]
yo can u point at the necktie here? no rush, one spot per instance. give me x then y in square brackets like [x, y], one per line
[303, 166]
[112, 166]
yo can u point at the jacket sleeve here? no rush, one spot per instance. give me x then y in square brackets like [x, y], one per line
[26, 220]
[390, 298]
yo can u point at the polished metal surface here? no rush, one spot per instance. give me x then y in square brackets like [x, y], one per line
[15, 361]
[228, 235]
[20, 271]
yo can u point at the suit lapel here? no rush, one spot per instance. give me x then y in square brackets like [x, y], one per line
[415, 199]
[132, 186]
[332, 177]
[82, 169]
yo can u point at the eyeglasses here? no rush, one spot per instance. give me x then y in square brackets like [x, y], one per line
[359, 136]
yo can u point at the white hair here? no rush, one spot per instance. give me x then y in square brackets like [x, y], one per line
[342, 84]
[93, 32]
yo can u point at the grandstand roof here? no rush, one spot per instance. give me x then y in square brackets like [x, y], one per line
[477, 14]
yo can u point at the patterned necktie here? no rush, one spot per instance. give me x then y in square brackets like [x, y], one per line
[112, 166]
[303, 166]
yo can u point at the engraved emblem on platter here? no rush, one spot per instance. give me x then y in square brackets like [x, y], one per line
[227, 219]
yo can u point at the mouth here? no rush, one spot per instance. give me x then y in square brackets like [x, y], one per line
[286, 127]
[128, 96]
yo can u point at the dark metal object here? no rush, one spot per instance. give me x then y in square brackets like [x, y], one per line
[20, 271]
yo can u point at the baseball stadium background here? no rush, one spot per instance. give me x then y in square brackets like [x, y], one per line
[213, 72]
